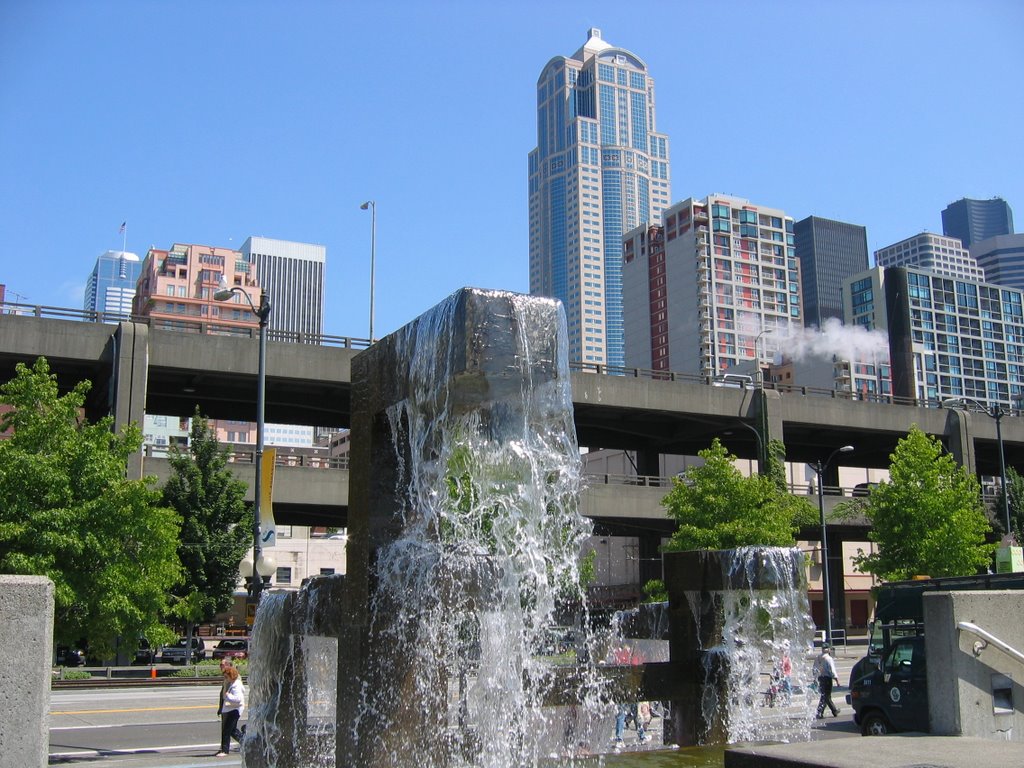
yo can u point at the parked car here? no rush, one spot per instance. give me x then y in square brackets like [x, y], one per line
[231, 648]
[177, 653]
[864, 489]
[146, 653]
[69, 657]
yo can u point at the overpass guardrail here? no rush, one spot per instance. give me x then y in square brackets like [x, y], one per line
[194, 324]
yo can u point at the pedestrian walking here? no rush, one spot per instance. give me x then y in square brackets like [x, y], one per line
[786, 673]
[628, 712]
[232, 702]
[825, 667]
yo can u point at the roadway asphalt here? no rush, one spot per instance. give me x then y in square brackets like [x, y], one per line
[836, 743]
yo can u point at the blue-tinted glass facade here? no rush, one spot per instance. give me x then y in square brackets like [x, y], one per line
[110, 287]
[593, 176]
[974, 220]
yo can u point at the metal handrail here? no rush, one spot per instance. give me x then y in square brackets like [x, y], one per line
[988, 637]
[183, 324]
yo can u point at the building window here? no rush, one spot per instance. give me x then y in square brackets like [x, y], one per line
[283, 576]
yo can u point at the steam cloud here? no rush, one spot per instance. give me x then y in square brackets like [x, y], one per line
[848, 342]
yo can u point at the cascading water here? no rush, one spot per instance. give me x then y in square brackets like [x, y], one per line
[293, 676]
[764, 619]
[464, 543]
[474, 534]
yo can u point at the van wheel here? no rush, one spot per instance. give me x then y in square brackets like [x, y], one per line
[875, 724]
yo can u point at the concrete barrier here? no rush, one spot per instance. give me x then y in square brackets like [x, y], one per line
[26, 635]
[974, 686]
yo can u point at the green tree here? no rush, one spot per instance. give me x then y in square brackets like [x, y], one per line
[718, 508]
[655, 592]
[927, 519]
[68, 512]
[1015, 493]
[216, 527]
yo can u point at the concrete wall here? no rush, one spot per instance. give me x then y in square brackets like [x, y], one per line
[963, 669]
[26, 635]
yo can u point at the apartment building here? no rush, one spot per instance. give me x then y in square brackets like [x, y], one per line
[707, 290]
[948, 337]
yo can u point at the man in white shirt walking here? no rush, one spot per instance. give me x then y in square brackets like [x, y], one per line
[825, 666]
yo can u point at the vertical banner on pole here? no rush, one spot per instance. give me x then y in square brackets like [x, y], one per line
[268, 530]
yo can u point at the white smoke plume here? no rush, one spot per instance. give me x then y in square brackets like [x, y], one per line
[847, 342]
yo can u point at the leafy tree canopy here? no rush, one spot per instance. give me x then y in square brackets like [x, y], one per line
[1015, 493]
[927, 519]
[718, 508]
[68, 512]
[216, 527]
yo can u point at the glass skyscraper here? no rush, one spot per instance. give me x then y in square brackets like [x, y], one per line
[599, 170]
[1002, 258]
[974, 220]
[829, 252]
[110, 287]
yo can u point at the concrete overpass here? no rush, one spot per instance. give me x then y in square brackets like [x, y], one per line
[137, 368]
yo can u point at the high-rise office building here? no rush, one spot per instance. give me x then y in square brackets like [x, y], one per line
[931, 253]
[974, 220]
[948, 337]
[110, 287]
[1002, 258]
[829, 251]
[600, 169]
[707, 291]
[293, 275]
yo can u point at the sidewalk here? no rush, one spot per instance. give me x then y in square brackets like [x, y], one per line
[894, 751]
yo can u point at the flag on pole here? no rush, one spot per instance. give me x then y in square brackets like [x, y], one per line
[123, 225]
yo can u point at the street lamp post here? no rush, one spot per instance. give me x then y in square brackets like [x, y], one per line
[263, 313]
[819, 469]
[757, 357]
[996, 413]
[762, 457]
[372, 206]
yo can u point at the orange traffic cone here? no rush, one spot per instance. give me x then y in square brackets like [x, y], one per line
[152, 673]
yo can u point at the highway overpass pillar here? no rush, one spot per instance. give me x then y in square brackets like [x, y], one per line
[766, 410]
[128, 385]
[959, 439]
[648, 463]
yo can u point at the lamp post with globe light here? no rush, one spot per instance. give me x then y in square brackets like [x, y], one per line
[819, 469]
[258, 566]
[371, 205]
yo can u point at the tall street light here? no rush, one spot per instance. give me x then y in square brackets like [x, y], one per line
[263, 313]
[757, 357]
[819, 469]
[995, 412]
[372, 206]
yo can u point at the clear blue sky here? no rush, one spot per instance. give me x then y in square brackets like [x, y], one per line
[208, 122]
